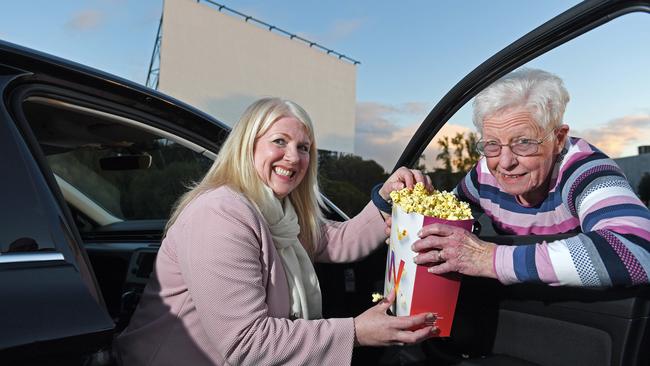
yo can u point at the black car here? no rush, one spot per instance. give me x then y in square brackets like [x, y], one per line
[91, 164]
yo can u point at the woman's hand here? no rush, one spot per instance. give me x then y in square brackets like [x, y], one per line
[389, 224]
[374, 327]
[448, 248]
[402, 178]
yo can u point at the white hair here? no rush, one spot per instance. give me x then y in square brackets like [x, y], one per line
[539, 92]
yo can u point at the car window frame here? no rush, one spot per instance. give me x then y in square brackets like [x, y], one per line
[550, 35]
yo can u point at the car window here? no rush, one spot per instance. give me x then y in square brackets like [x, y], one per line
[610, 103]
[347, 179]
[109, 168]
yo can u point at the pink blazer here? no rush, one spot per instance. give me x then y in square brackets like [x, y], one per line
[218, 294]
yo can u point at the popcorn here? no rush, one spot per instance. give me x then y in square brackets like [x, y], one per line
[440, 204]
[418, 291]
[376, 296]
[401, 234]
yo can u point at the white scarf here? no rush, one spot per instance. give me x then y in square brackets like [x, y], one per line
[301, 276]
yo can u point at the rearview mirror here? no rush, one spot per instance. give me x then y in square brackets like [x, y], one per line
[125, 162]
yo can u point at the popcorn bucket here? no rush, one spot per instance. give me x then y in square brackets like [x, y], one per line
[419, 291]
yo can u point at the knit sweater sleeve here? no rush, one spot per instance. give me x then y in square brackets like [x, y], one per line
[467, 190]
[613, 247]
[352, 239]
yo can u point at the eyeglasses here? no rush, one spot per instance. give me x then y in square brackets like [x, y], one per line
[520, 147]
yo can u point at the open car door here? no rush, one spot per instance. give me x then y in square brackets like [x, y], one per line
[538, 324]
[51, 312]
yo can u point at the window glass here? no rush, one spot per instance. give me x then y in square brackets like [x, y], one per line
[143, 183]
[108, 170]
[610, 102]
[347, 179]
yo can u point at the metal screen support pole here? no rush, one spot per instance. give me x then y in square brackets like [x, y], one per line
[154, 64]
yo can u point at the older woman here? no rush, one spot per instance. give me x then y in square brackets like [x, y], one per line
[536, 179]
[234, 281]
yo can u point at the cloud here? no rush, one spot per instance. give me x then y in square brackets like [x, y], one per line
[416, 108]
[339, 30]
[85, 20]
[620, 136]
[380, 137]
[342, 29]
[382, 132]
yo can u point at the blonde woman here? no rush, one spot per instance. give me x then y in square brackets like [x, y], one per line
[234, 281]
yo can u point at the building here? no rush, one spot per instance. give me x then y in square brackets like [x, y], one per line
[636, 166]
[221, 60]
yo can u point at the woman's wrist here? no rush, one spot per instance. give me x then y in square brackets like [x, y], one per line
[379, 201]
[354, 332]
[504, 264]
[493, 262]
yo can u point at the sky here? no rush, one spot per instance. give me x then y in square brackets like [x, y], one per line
[411, 54]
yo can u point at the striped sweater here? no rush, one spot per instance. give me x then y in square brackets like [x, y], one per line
[590, 197]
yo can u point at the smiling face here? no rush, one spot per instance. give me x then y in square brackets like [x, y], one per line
[281, 155]
[526, 177]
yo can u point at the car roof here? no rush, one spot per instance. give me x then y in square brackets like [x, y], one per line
[42, 67]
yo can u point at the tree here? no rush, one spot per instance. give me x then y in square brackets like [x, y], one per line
[421, 163]
[347, 179]
[464, 152]
[345, 195]
[457, 142]
[458, 156]
[472, 156]
[444, 155]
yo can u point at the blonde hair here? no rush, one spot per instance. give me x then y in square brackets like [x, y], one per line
[234, 167]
